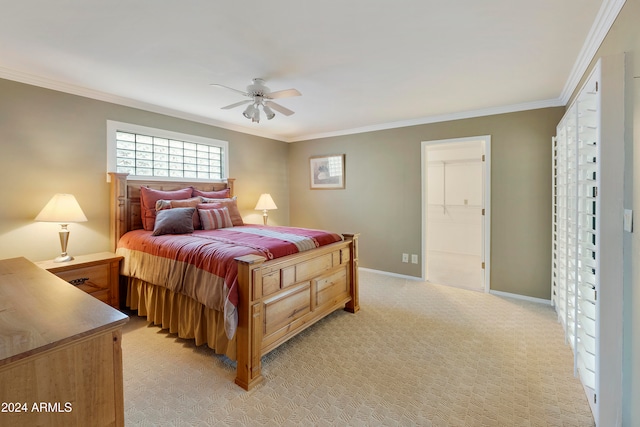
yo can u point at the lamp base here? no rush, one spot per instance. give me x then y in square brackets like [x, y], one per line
[63, 258]
[64, 239]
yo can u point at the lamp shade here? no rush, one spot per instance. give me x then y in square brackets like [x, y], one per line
[268, 112]
[62, 208]
[265, 202]
[249, 111]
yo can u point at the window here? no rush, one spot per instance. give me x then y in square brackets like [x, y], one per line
[148, 153]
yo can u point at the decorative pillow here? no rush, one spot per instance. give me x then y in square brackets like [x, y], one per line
[174, 221]
[212, 219]
[220, 194]
[148, 199]
[230, 204]
[186, 203]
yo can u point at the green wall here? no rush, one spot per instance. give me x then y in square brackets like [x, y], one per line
[383, 195]
[52, 142]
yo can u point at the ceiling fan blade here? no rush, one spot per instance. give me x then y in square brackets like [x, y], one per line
[279, 108]
[237, 104]
[287, 93]
[230, 88]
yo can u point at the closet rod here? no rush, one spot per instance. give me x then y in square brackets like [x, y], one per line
[446, 162]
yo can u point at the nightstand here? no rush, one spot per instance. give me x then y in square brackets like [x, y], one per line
[96, 274]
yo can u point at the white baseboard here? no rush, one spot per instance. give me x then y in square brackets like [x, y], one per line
[522, 297]
[497, 293]
[386, 273]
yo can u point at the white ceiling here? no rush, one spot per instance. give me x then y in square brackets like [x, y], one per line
[359, 64]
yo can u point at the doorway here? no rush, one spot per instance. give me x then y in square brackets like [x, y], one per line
[456, 217]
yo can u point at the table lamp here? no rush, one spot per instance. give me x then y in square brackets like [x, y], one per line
[265, 203]
[63, 209]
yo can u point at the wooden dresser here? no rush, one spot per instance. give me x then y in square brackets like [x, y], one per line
[60, 352]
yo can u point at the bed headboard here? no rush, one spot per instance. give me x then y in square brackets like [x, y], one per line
[124, 199]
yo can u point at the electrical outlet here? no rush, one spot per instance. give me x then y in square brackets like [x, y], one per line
[405, 257]
[628, 220]
[414, 259]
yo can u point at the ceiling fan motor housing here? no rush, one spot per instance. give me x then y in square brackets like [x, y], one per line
[257, 88]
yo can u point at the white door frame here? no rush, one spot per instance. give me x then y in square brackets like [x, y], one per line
[486, 232]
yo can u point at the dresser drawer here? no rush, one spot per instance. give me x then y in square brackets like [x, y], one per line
[95, 276]
[93, 280]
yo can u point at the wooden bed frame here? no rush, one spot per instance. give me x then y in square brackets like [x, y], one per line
[278, 298]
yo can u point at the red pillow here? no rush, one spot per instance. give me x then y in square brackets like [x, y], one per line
[221, 194]
[148, 199]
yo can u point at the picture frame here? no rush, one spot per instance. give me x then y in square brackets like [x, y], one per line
[327, 172]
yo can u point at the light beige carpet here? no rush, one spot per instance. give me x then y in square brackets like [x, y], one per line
[416, 354]
[459, 270]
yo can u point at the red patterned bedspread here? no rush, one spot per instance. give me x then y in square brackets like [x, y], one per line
[202, 265]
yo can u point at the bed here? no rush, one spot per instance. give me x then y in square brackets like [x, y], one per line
[277, 295]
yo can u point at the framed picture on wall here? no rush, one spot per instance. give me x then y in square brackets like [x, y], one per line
[327, 172]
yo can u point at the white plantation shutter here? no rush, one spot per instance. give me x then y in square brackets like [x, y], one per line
[575, 261]
[588, 172]
[586, 276]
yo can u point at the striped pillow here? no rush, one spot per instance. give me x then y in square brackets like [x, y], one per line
[231, 204]
[212, 219]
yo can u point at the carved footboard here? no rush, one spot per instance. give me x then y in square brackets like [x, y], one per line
[282, 297]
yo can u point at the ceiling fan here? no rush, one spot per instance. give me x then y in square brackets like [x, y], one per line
[261, 96]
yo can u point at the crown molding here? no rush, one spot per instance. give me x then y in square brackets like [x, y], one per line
[47, 83]
[437, 119]
[128, 102]
[605, 18]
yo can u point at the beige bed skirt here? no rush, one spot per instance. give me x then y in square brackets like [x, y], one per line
[180, 315]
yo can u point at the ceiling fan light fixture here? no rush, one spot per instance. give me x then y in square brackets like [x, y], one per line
[268, 112]
[249, 111]
[260, 96]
